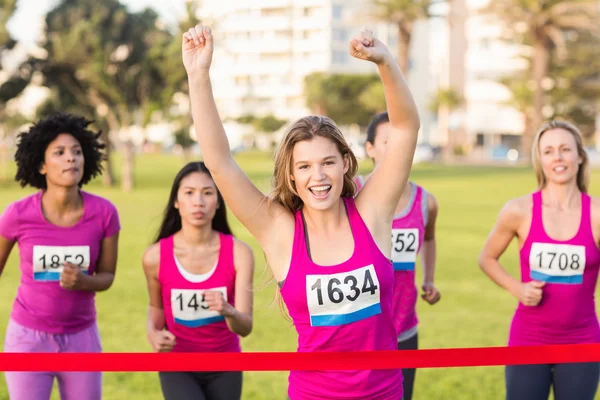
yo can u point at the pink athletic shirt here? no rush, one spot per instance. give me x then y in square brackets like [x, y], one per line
[566, 314]
[41, 304]
[344, 307]
[196, 328]
[408, 232]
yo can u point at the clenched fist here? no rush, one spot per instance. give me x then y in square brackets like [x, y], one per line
[71, 277]
[367, 47]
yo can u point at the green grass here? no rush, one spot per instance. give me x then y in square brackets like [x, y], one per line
[473, 312]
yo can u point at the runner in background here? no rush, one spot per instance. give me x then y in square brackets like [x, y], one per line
[200, 286]
[68, 241]
[558, 229]
[413, 231]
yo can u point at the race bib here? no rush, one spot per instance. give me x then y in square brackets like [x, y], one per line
[48, 261]
[405, 245]
[557, 263]
[190, 309]
[343, 298]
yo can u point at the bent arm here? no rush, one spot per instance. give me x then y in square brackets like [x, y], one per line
[496, 244]
[428, 254]
[240, 321]
[5, 249]
[156, 314]
[104, 276]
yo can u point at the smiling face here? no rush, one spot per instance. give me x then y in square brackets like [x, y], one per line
[318, 170]
[63, 161]
[197, 199]
[559, 156]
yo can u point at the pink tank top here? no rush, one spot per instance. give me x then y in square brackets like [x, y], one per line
[344, 307]
[566, 314]
[408, 231]
[196, 328]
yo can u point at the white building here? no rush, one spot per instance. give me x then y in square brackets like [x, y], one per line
[265, 48]
[487, 116]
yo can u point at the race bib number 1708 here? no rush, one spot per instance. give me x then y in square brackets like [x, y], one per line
[557, 263]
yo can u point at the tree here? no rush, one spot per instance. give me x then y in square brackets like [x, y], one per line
[7, 8]
[105, 61]
[338, 96]
[403, 13]
[10, 90]
[268, 124]
[545, 26]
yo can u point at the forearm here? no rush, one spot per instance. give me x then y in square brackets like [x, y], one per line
[428, 258]
[401, 106]
[98, 282]
[156, 319]
[239, 323]
[207, 123]
[496, 272]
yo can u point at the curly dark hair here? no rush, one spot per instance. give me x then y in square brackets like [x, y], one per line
[32, 145]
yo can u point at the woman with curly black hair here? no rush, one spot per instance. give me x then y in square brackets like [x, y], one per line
[68, 242]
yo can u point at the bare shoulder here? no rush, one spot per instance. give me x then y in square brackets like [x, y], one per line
[515, 211]
[432, 203]
[242, 250]
[595, 210]
[151, 259]
[595, 203]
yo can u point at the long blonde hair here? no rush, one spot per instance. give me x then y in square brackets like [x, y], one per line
[307, 128]
[583, 174]
[284, 189]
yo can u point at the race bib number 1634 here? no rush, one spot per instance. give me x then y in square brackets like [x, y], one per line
[343, 298]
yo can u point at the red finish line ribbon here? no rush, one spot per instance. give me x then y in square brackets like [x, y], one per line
[286, 361]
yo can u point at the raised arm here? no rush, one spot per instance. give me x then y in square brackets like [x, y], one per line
[504, 231]
[377, 201]
[247, 203]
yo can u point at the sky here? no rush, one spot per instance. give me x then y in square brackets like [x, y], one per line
[26, 23]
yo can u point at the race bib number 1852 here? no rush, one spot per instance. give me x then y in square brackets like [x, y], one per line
[190, 309]
[405, 245]
[48, 261]
[343, 298]
[557, 263]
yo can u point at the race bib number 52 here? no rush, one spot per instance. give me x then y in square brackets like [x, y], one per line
[190, 309]
[405, 245]
[48, 261]
[343, 298]
[557, 263]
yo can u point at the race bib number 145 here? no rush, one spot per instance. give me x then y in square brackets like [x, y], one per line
[190, 309]
[48, 261]
[557, 263]
[343, 298]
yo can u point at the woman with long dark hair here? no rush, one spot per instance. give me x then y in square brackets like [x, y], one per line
[200, 286]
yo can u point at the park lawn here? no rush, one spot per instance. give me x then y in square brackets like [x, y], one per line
[473, 312]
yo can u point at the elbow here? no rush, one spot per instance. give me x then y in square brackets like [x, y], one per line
[483, 262]
[246, 330]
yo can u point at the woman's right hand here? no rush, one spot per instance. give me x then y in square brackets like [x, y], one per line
[161, 341]
[530, 293]
[197, 49]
